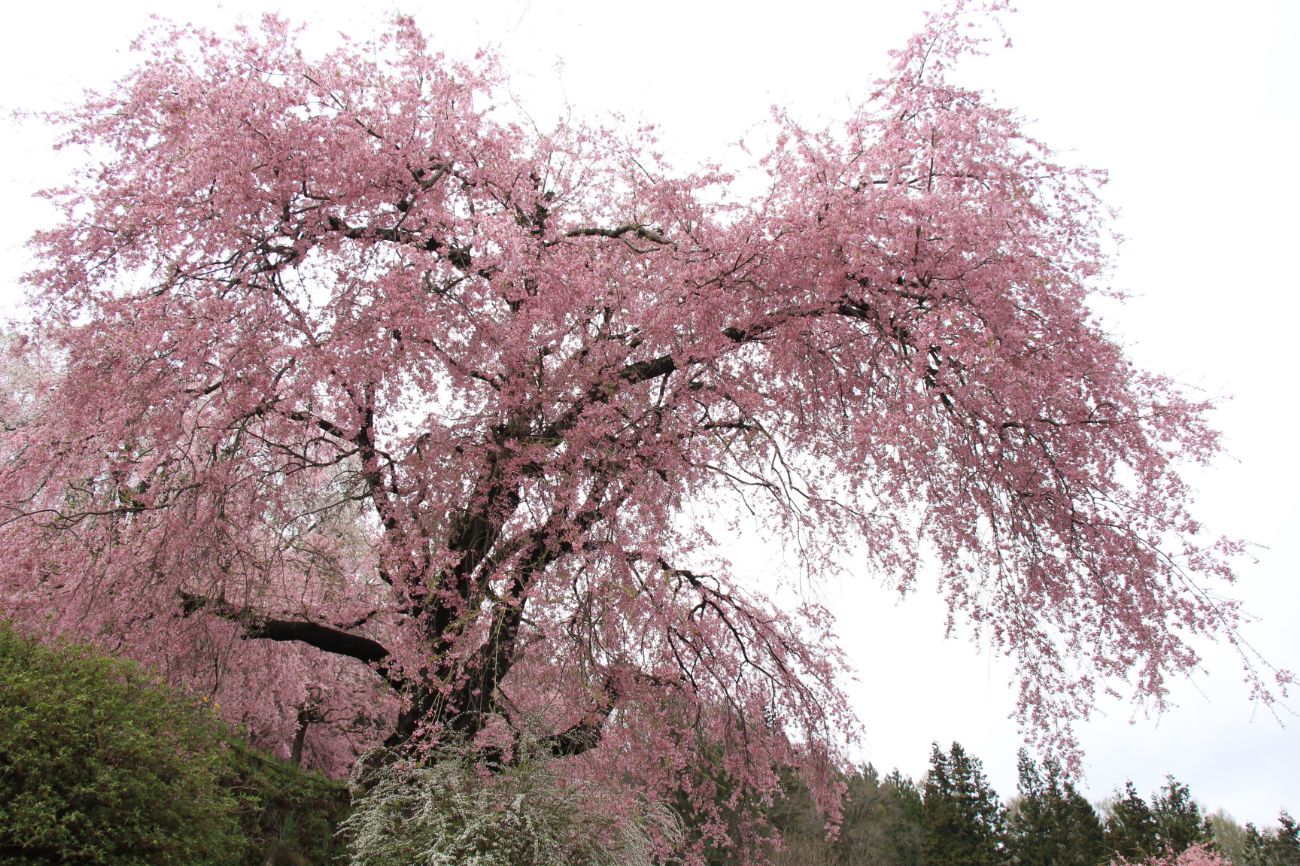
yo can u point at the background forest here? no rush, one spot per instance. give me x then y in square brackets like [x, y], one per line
[952, 817]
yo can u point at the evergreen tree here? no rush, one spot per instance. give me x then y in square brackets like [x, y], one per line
[1083, 827]
[1051, 823]
[963, 822]
[1287, 840]
[1179, 820]
[1027, 816]
[1280, 847]
[1254, 847]
[902, 834]
[1131, 827]
[802, 827]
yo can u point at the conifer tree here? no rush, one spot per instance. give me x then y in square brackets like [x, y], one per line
[1287, 840]
[1051, 823]
[963, 822]
[882, 821]
[880, 824]
[1131, 827]
[904, 834]
[1180, 823]
[1280, 847]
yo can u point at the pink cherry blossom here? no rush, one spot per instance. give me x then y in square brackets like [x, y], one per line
[376, 413]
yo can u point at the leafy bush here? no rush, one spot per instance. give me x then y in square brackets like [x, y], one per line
[453, 811]
[288, 816]
[101, 764]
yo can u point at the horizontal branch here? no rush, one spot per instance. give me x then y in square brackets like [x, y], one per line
[322, 637]
[576, 739]
[459, 256]
[635, 229]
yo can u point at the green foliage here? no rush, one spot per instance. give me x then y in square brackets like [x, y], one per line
[889, 822]
[1172, 823]
[1051, 823]
[100, 764]
[1180, 823]
[721, 819]
[1280, 847]
[1131, 827]
[881, 823]
[963, 822]
[801, 825]
[454, 811]
[289, 817]
[1229, 837]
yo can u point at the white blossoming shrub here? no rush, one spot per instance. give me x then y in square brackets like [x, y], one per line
[455, 811]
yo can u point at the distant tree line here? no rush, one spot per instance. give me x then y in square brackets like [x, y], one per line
[953, 817]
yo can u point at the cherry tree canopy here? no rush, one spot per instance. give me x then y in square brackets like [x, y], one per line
[380, 413]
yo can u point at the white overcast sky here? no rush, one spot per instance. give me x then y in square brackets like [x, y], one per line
[1194, 107]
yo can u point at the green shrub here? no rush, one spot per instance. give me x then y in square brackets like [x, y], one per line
[101, 764]
[288, 816]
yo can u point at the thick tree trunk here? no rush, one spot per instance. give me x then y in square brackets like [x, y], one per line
[299, 737]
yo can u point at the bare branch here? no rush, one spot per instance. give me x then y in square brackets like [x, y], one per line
[323, 637]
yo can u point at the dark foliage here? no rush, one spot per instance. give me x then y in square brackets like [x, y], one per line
[1051, 823]
[1280, 847]
[964, 824]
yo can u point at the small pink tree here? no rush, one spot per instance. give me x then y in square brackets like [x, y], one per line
[383, 414]
[1197, 855]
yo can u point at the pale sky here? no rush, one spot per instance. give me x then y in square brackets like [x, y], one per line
[1193, 107]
